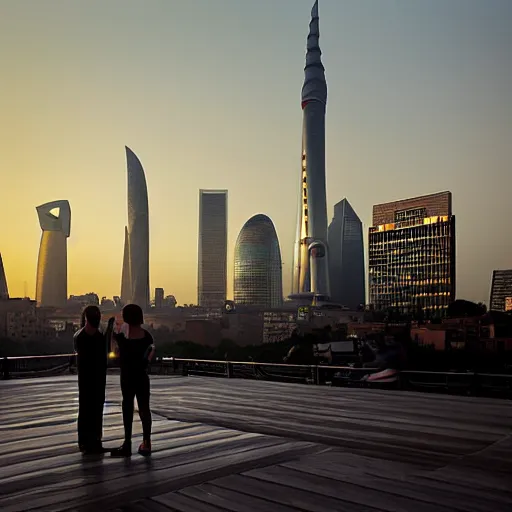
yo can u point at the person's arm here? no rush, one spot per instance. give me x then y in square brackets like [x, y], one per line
[150, 351]
[75, 341]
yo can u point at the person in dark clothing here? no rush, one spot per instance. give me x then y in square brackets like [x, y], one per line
[91, 351]
[136, 350]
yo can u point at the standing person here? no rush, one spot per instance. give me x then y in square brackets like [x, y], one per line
[91, 351]
[136, 349]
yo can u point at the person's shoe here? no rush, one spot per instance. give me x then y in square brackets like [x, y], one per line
[98, 449]
[94, 450]
[145, 448]
[125, 450]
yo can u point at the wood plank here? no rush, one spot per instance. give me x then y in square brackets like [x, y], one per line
[367, 448]
[169, 475]
[233, 500]
[276, 496]
[405, 483]
[181, 503]
[296, 486]
[147, 505]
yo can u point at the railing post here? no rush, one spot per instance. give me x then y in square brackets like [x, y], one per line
[317, 375]
[5, 368]
[229, 369]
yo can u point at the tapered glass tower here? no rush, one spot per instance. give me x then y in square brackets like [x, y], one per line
[135, 274]
[52, 263]
[310, 269]
[258, 278]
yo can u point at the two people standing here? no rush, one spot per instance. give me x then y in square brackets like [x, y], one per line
[135, 348]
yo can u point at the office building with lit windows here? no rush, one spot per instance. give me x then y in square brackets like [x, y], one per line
[411, 252]
[258, 271]
[212, 248]
[501, 291]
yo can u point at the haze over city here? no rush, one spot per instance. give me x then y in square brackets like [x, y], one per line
[208, 96]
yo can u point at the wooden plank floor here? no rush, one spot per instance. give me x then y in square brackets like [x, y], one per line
[240, 445]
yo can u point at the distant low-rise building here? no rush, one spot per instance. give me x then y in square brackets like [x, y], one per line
[87, 299]
[20, 319]
[492, 331]
[278, 325]
[203, 332]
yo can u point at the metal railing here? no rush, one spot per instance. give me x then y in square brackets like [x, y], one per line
[467, 383]
[35, 366]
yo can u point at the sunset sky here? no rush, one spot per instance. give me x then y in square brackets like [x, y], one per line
[207, 94]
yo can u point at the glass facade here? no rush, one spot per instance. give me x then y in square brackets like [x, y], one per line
[412, 261]
[258, 272]
[213, 248]
[135, 280]
[501, 290]
[346, 256]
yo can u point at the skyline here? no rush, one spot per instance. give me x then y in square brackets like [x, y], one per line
[420, 101]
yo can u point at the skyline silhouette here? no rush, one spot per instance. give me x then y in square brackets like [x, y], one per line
[420, 100]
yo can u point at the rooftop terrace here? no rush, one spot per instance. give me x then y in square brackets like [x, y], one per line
[243, 445]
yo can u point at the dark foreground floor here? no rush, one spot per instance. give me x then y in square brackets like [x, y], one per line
[242, 445]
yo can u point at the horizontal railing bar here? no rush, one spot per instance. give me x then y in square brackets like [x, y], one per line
[283, 365]
[15, 358]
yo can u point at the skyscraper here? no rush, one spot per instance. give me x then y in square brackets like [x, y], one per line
[310, 268]
[213, 248]
[4, 291]
[52, 263]
[135, 274]
[412, 255]
[258, 271]
[126, 284]
[346, 256]
[501, 290]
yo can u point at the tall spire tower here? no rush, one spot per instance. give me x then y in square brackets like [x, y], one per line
[310, 269]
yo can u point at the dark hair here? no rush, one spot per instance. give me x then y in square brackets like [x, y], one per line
[132, 315]
[93, 316]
